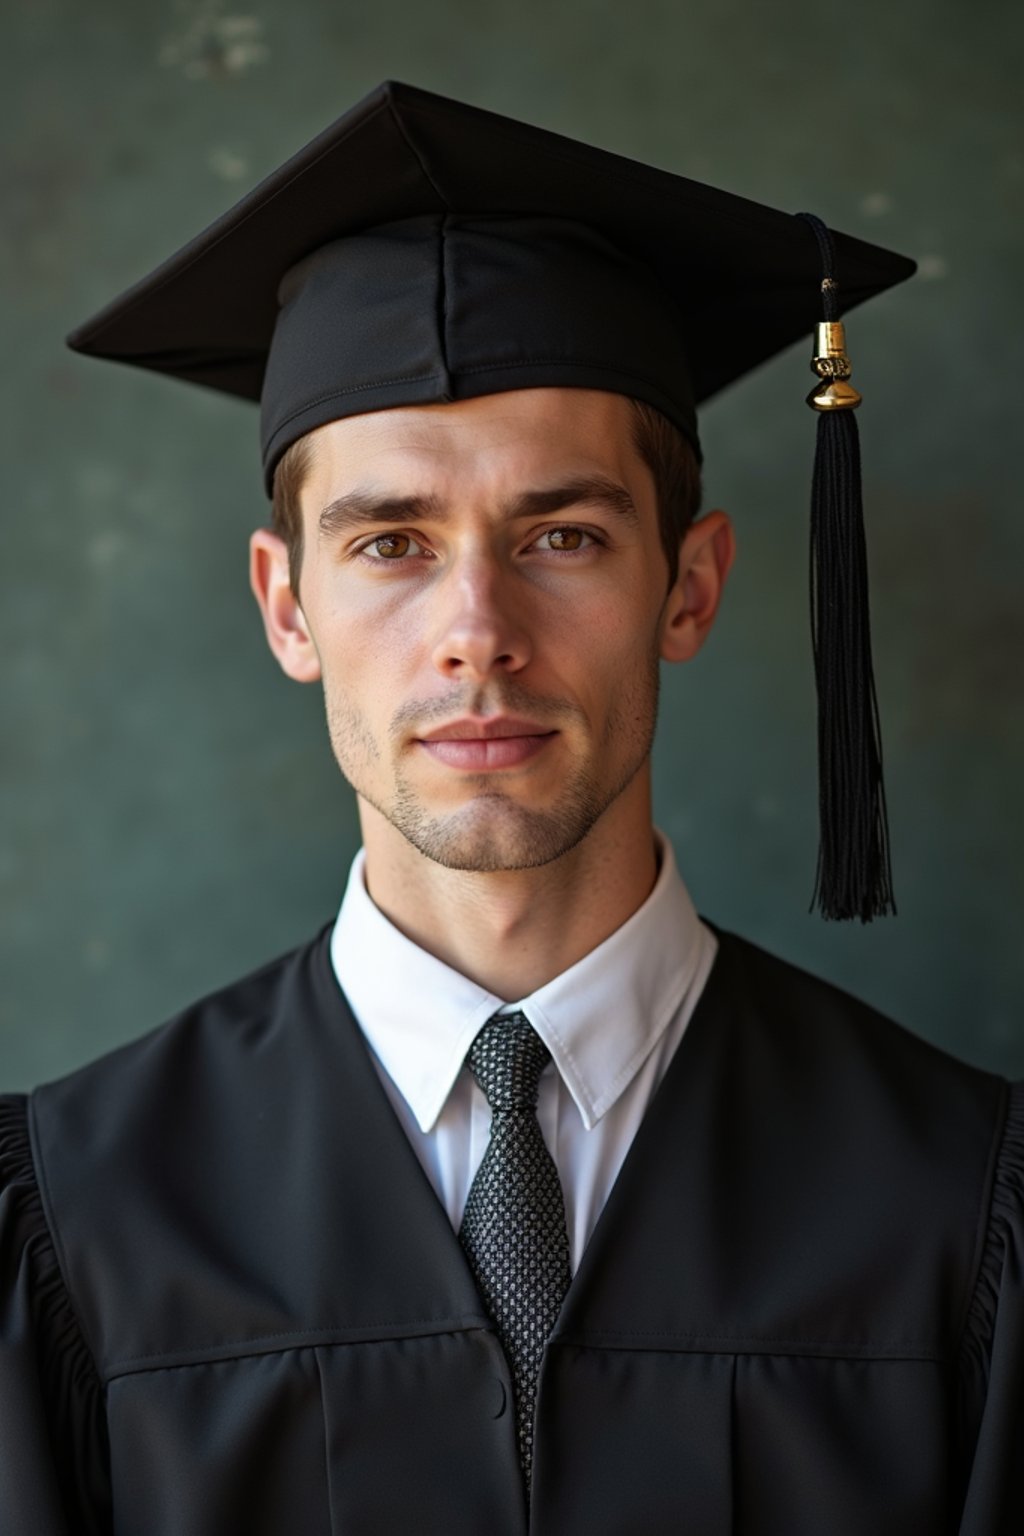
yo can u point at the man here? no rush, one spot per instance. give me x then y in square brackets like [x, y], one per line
[520, 1197]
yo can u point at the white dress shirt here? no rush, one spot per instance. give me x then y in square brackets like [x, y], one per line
[612, 1023]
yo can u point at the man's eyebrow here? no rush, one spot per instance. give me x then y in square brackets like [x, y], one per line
[588, 490]
[360, 508]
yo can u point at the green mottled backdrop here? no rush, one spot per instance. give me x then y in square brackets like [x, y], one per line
[171, 812]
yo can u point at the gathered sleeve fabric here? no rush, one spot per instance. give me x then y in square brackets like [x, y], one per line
[992, 1362]
[54, 1455]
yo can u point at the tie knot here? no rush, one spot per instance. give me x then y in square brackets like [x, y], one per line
[507, 1058]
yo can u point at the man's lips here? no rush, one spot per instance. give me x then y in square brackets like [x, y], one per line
[485, 729]
[486, 744]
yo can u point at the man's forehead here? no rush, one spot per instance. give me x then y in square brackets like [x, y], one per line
[579, 430]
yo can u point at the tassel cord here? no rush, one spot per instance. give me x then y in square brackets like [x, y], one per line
[854, 877]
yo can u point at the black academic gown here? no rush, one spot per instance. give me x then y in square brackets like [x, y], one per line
[232, 1304]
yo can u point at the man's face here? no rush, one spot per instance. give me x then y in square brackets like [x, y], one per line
[493, 564]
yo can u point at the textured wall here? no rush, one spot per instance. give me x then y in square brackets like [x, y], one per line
[171, 811]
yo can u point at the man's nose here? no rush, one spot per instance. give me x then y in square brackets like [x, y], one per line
[480, 622]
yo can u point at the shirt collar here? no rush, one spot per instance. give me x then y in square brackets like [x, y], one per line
[600, 1019]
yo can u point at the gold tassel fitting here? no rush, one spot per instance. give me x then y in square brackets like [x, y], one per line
[832, 366]
[834, 397]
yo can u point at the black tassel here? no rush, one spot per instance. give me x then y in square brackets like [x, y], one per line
[854, 874]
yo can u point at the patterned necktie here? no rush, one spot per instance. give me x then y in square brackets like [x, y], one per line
[513, 1229]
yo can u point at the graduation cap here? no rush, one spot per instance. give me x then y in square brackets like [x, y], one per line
[423, 250]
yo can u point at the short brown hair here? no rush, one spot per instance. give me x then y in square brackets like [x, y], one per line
[663, 448]
[673, 462]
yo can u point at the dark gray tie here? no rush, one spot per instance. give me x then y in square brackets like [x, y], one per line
[513, 1229]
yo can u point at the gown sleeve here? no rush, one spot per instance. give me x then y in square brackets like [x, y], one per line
[992, 1366]
[54, 1458]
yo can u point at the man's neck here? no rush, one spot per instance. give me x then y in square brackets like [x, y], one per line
[514, 930]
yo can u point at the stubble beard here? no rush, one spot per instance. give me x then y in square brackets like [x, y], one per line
[494, 831]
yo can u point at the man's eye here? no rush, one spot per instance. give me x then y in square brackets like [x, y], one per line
[389, 546]
[568, 540]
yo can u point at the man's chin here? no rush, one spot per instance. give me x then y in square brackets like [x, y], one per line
[493, 834]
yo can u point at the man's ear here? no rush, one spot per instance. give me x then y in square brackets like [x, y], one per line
[706, 553]
[283, 619]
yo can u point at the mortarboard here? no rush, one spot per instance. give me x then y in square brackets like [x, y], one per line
[423, 250]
